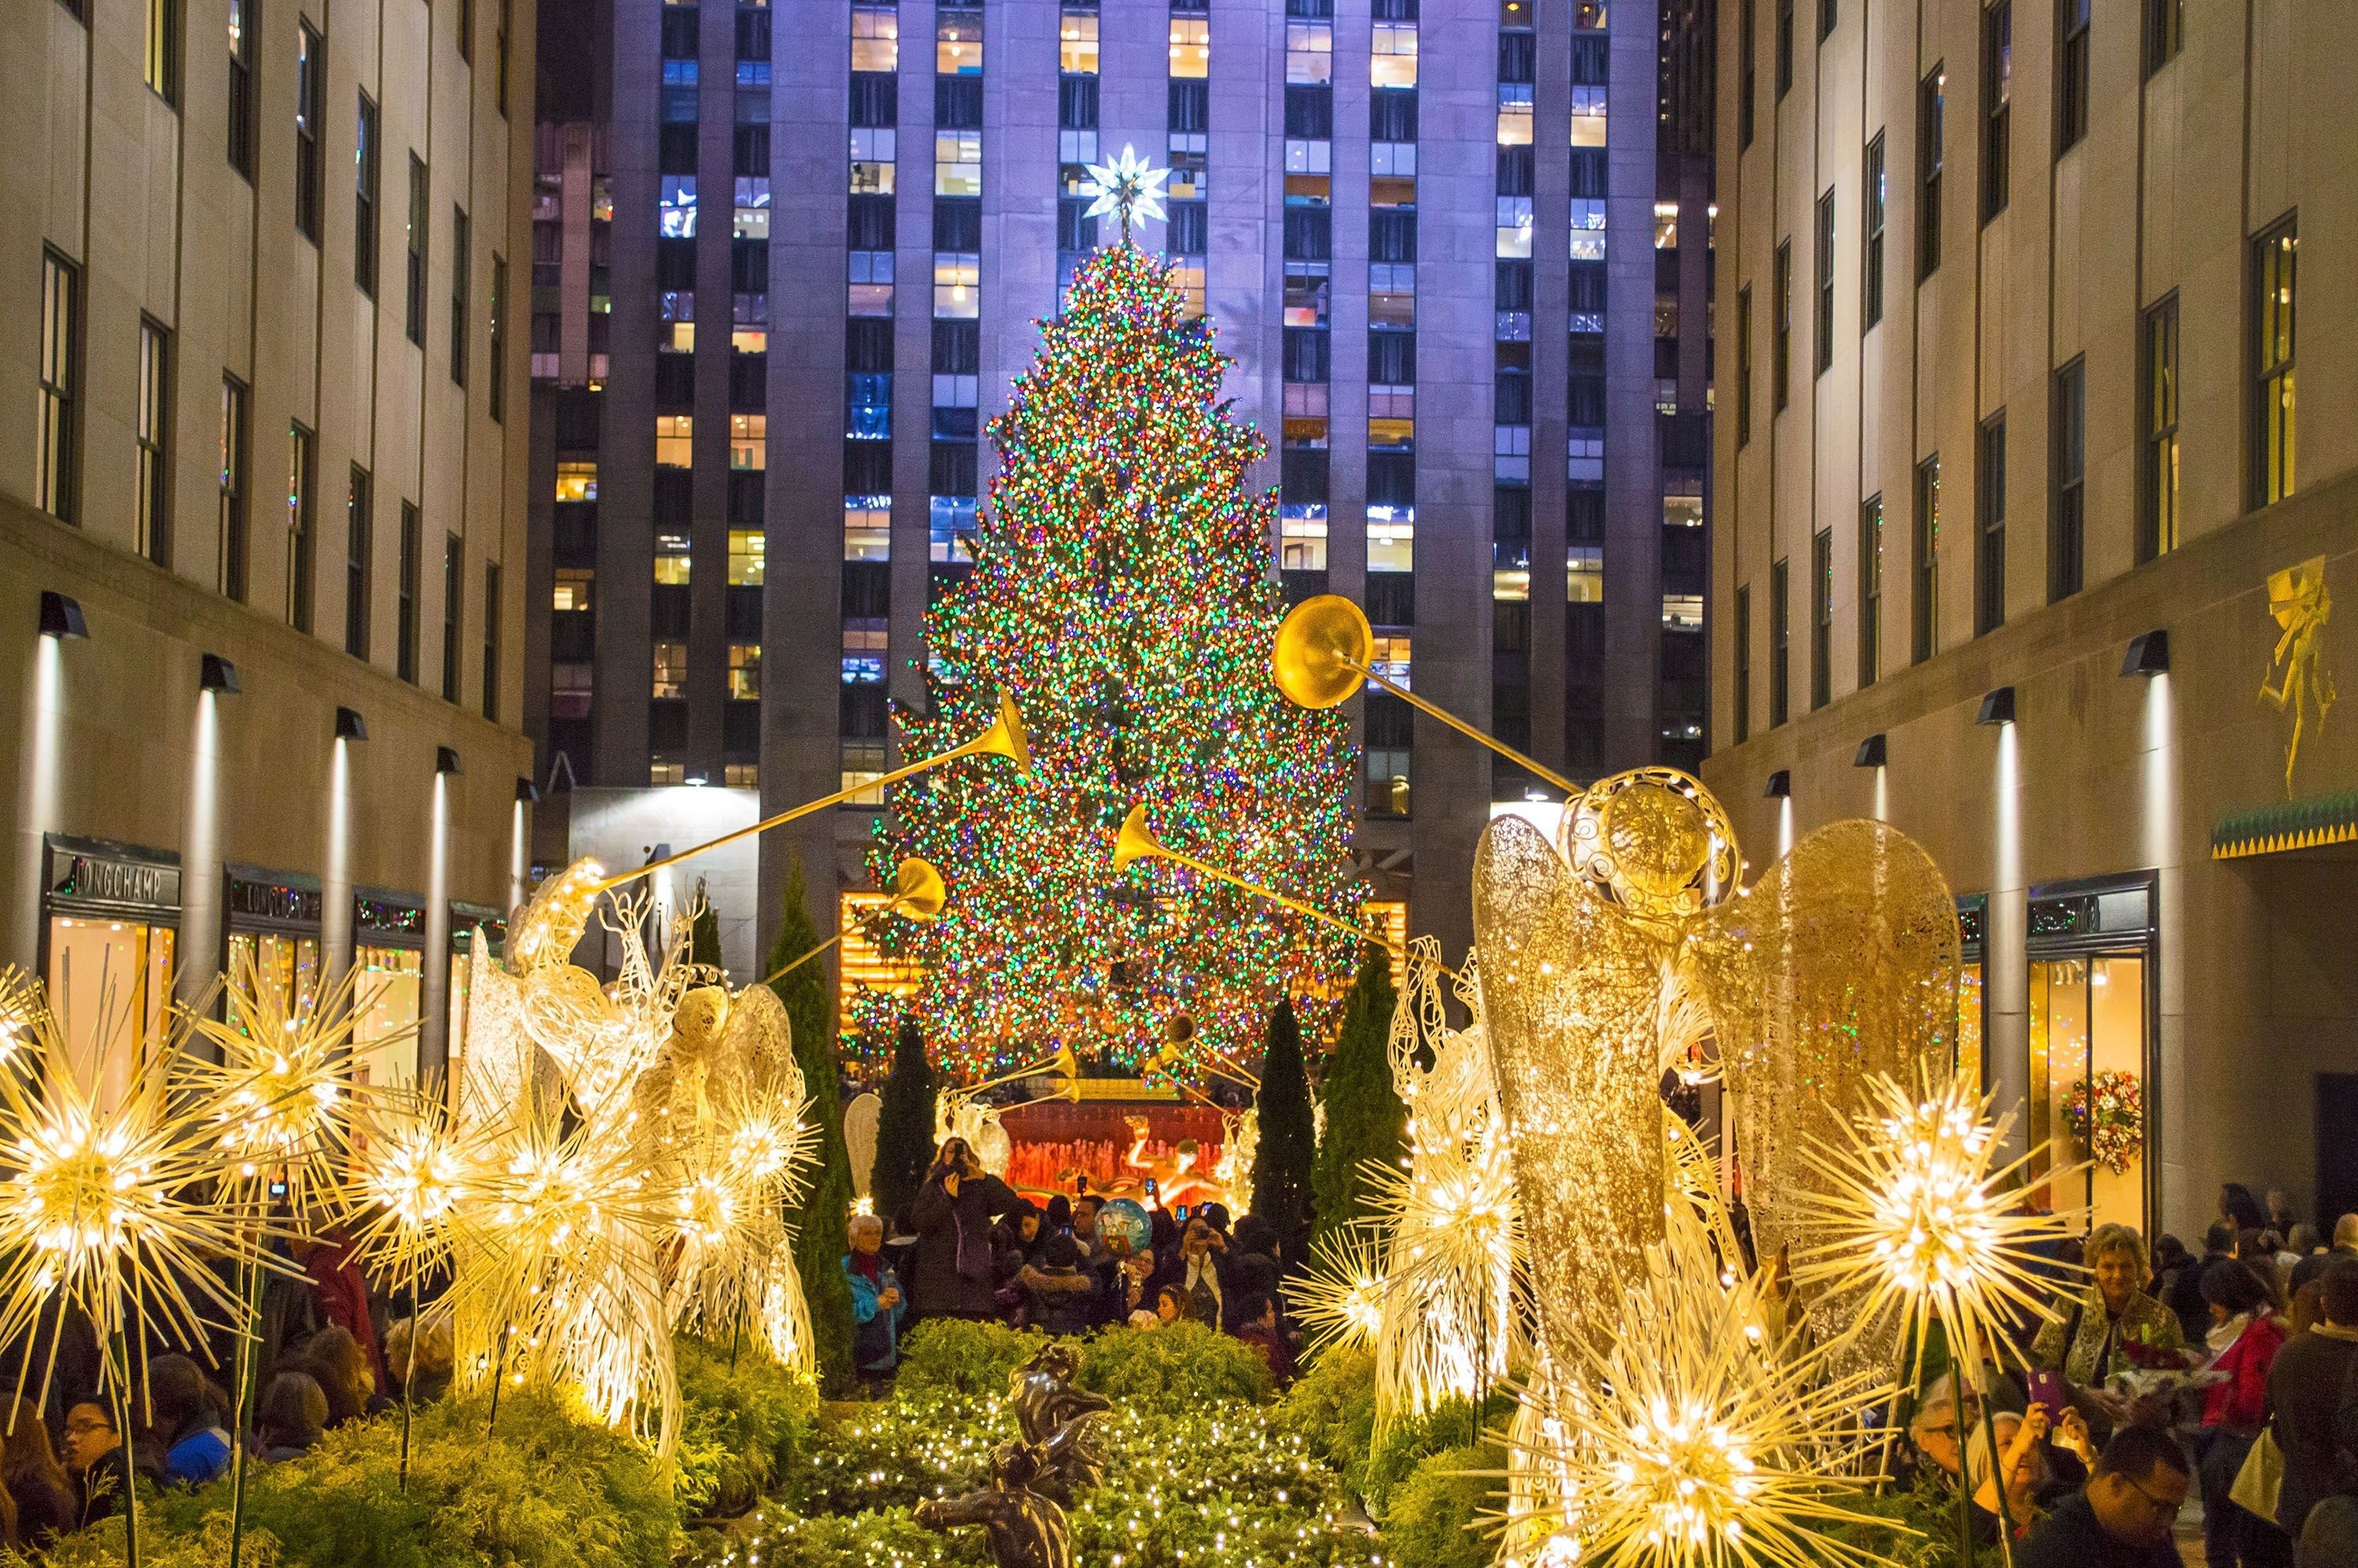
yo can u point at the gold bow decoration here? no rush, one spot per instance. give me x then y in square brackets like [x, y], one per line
[2297, 678]
[1839, 964]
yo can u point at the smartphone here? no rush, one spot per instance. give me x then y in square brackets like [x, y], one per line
[1150, 1187]
[2047, 1389]
[1180, 1213]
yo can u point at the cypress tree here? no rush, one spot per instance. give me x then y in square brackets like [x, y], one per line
[704, 937]
[818, 1214]
[1289, 1138]
[905, 1126]
[1365, 1119]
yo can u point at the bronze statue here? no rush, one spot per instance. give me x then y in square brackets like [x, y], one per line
[1061, 1419]
[1025, 1528]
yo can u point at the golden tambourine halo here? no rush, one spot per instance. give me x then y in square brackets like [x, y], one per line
[1323, 649]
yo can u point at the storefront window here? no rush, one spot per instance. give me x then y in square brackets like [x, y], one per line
[110, 983]
[2091, 1014]
[385, 1013]
[287, 966]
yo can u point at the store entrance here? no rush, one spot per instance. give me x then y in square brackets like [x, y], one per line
[2091, 976]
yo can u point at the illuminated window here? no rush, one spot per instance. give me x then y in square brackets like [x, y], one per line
[676, 207]
[958, 162]
[1389, 657]
[1514, 228]
[1187, 276]
[1387, 781]
[749, 323]
[1187, 164]
[741, 775]
[1511, 584]
[1391, 61]
[1682, 612]
[671, 669]
[745, 670]
[863, 764]
[573, 588]
[958, 286]
[1392, 293]
[865, 644]
[671, 559]
[1191, 48]
[1309, 53]
[873, 152]
[577, 481]
[957, 42]
[1666, 225]
[1515, 115]
[872, 283]
[1393, 166]
[1391, 538]
[952, 525]
[867, 527]
[749, 557]
[1076, 43]
[674, 441]
[661, 772]
[1302, 534]
[1584, 574]
[875, 38]
[1588, 116]
[749, 440]
[863, 967]
[676, 329]
[1683, 511]
[1308, 285]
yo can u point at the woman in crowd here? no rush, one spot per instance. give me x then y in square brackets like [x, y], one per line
[877, 1307]
[99, 1463]
[1014, 1243]
[2041, 1458]
[952, 1216]
[2115, 1327]
[187, 1421]
[1058, 1297]
[36, 1483]
[429, 1379]
[2245, 1333]
[293, 1415]
[1196, 1276]
[2239, 1209]
[335, 1360]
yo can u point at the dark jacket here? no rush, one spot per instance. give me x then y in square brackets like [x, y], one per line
[2305, 1385]
[954, 1255]
[45, 1510]
[2071, 1538]
[1063, 1300]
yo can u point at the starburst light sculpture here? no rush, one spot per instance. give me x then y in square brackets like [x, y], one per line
[1340, 1298]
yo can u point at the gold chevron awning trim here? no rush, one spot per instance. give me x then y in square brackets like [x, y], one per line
[2297, 824]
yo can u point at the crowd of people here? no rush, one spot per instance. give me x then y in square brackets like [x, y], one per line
[329, 1351]
[974, 1247]
[2231, 1377]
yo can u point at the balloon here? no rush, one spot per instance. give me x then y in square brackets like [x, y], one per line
[1125, 1218]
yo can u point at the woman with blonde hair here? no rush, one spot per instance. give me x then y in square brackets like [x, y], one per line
[2115, 1326]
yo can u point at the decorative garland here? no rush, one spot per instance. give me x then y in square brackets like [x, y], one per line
[2114, 1135]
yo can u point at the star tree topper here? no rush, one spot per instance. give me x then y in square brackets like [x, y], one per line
[1128, 187]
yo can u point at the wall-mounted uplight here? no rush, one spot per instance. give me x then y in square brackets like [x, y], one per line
[698, 780]
[527, 792]
[1872, 752]
[62, 616]
[1780, 785]
[445, 759]
[2148, 655]
[216, 673]
[350, 725]
[1998, 707]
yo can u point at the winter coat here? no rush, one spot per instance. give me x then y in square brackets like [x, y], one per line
[955, 1264]
[876, 1339]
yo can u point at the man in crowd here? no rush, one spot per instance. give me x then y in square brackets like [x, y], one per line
[2122, 1519]
[2305, 1385]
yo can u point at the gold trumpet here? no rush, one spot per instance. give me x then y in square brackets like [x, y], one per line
[1137, 842]
[1005, 739]
[918, 894]
[1063, 1063]
[1321, 658]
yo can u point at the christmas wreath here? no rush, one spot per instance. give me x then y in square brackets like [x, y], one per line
[2107, 1115]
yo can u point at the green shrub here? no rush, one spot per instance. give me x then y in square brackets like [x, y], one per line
[921, 1443]
[1174, 1370]
[746, 1425]
[1433, 1521]
[968, 1358]
[1332, 1408]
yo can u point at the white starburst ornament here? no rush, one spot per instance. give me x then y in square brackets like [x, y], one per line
[1128, 187]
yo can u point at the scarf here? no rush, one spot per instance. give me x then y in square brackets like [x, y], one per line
[2223, 1336]
[869, 1266]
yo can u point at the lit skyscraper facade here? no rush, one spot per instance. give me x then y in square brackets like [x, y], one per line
[1464, 288]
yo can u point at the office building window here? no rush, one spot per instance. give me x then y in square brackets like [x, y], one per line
[2276, 256]
[1780, 690]
[500, 20]
[1392, 57]
[460, 268]
[2157, 420]
[1780, 342]
[242, 94]
[1743, 665]
[415, 274]
[364, 177]
[229, 518]
[492, 616]
[1784, 48]
[454, 603]
[1928, 117]
[1821, 617]
[498, 339]
[163, 54]
[1744, 364]
[2068, 522]
[748, 555]
[876, 39]
[2072, 24]
[673, 561]
[300, 529]
[406, 581]
[1824, 261]
[1870, 589]
[1875, 200]
[670, 670]
[745, 672]
[1747, 48]
[359, 558]
[1926, 608]
[1191, 48]
[1989, 563]
[310, 110]
[1998, 95]
[57, 443]
[2165, 32]
[151, 441]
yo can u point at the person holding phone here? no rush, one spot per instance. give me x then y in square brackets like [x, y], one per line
[952, 1215]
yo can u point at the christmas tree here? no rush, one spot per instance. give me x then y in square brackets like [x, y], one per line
[1122, 594]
